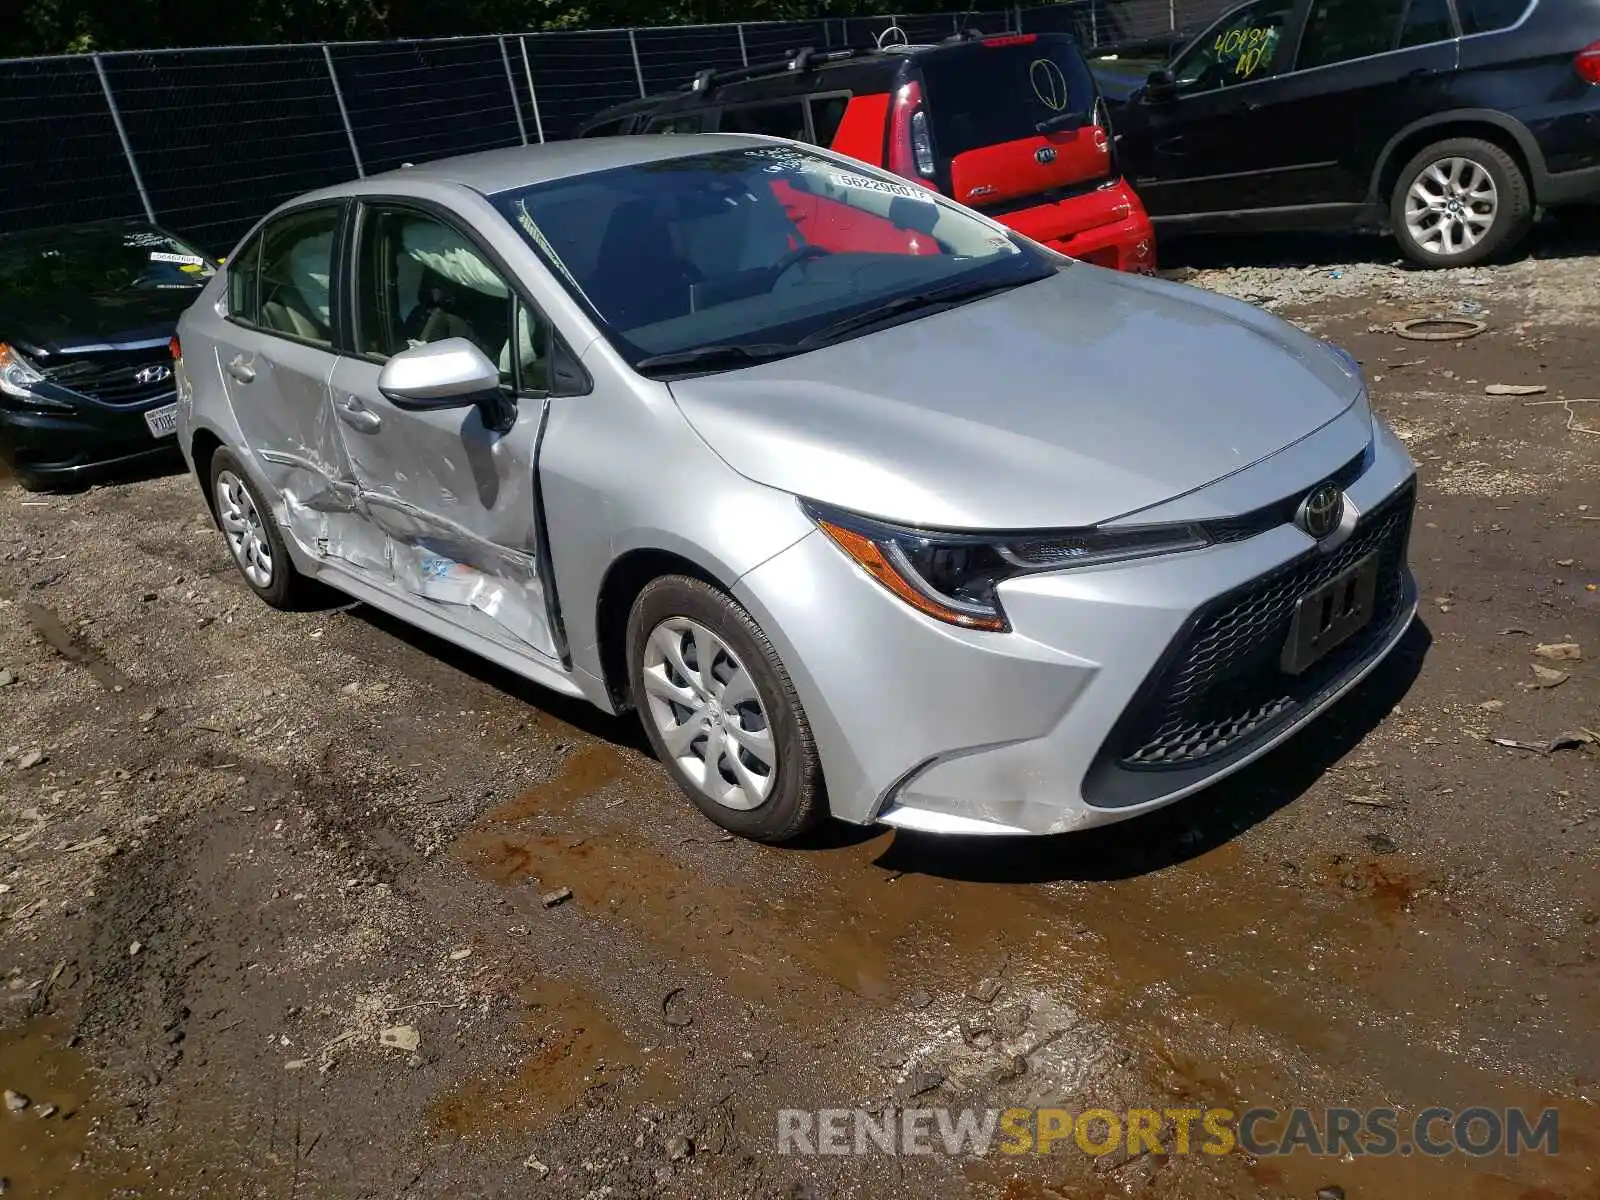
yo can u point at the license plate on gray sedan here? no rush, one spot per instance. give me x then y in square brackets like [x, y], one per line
[1330, 614]
[163, 421]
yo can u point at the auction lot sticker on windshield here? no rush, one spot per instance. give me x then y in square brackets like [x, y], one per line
[193, 260]
[881, 185]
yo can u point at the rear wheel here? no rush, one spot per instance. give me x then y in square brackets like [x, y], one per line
[252, 534]
[1460, 202]
[721, 712]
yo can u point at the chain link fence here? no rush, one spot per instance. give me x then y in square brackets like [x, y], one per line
[204, 141]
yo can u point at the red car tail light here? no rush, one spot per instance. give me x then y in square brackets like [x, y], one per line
[1588, 63]
[910, 146]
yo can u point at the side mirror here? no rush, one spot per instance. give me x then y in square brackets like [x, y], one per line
[1159, 87]
[451, 373]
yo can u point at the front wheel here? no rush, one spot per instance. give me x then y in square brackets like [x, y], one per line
[1459, 202]
[721, 712]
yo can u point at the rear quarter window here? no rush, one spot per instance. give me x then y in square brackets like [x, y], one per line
[984, 95]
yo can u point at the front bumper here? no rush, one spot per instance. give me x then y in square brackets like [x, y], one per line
[62, 447]
[1107, 227]
[923, 725]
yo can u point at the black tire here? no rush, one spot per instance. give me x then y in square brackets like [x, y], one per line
[797, 802]
[287, 588]
[1513, 217]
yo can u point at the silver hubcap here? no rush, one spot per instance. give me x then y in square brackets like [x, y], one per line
[1451, 206]
[242, 525]
[706, 708]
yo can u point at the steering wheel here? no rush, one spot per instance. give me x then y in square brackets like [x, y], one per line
[800, 254]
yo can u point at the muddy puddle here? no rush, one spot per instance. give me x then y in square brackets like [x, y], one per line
[52, 1147]
[568, 1048]
[1210, 963]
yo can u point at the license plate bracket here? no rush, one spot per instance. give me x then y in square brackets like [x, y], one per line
[1330, 614]
[163, 421]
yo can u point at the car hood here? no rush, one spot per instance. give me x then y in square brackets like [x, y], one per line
[1075, 400]
[66, 322]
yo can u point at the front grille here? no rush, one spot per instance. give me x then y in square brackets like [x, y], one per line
[112, 378]
[1279, 512]
[1222, 687]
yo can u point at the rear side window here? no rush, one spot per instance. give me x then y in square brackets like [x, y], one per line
[282, 281]
[1427, 21]
[1482, 16]
[982, 94]
[682, 123]
[244, 271]
[826, 114]
[1340, 30]
[779, 118]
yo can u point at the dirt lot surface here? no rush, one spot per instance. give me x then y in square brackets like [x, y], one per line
[273, 885]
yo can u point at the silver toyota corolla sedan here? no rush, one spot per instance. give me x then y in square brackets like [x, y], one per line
[870, 506]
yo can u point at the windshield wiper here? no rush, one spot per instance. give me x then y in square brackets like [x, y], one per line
[1066, 120]
[943, 297]
[728, 355]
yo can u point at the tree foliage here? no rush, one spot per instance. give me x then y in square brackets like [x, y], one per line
[64, 26]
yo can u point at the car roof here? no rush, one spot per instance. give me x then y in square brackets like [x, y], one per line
[736, 85]
[492, 171]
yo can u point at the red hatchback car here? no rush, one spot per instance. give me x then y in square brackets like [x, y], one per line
[1012, 125]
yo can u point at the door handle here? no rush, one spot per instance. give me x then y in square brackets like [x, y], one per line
[1420, 73]
[350, 411]
[240, 369]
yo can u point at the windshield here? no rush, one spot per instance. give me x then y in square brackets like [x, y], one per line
[763, 246]
[99, 260]
[990, 92]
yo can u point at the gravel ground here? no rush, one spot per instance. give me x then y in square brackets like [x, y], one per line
[313, 905]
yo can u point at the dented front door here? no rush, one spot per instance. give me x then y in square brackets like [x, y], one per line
[447, 494]
[452, 502]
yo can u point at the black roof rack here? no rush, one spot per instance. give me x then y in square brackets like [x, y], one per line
[804, 59]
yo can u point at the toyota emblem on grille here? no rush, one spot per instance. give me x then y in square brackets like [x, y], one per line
[155, 373]
[1321, 511]
[1044, 155]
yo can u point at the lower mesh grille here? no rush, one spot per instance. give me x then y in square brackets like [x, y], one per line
[1222, 685]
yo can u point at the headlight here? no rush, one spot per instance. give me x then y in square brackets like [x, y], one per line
[954, 576]
[17, 375]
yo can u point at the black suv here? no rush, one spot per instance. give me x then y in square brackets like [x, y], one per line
[1443, 121]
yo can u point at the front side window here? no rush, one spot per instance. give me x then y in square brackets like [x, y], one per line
[421, 280]
[294, 292]
[781, 118]
[1238, 50]
[704, 250]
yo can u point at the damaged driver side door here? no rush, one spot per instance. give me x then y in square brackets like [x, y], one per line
[448, 493]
